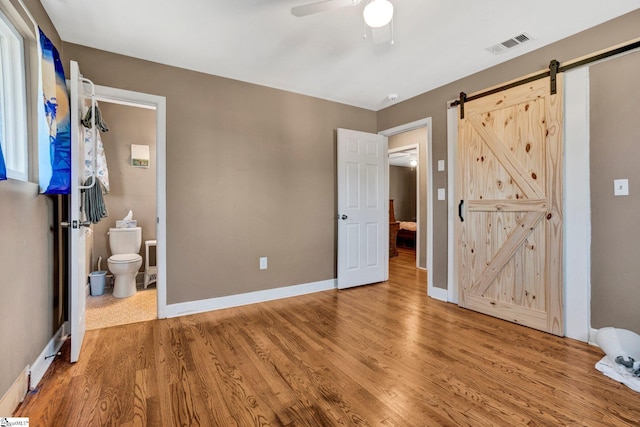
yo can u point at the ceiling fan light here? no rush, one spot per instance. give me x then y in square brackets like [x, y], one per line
[378, 13]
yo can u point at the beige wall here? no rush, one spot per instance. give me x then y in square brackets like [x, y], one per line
[402, 189]
[433, 104]
[26, 261]
[131, 188]
[614, 152]
[419, 138]
[250, 173]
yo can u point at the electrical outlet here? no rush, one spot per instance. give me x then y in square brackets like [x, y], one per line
[263, 263]
[441, 194]
[440, 165]
[620, 187]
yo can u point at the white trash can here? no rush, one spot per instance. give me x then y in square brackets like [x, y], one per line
[97, 281]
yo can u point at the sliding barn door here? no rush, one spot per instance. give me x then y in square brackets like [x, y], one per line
[509, 188]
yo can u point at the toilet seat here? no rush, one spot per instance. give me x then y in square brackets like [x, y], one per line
[124, 258]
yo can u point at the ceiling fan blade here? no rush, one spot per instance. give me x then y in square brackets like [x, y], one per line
[321, 6]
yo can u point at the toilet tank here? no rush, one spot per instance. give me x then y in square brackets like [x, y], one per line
[125, 240]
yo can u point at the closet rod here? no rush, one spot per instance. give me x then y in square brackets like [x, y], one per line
[562, 68]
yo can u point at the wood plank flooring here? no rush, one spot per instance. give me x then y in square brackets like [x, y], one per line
[378, 355]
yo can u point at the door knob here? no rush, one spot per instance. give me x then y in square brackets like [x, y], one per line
[343, 217]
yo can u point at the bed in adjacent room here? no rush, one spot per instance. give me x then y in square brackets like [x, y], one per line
[407, 234]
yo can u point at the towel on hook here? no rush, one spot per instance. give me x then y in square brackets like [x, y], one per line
[101, 172]
[100, 123]
[94, 206]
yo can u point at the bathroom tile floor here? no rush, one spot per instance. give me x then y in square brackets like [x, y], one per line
[105, 310]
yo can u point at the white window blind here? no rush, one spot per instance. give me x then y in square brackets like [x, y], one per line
[13, 107]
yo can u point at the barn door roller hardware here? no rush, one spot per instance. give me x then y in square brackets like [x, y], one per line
[507, 86]
[461, 101]
[554, 69]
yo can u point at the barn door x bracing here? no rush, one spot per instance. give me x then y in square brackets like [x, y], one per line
[509, 188]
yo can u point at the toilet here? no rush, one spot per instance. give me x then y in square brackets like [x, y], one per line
[125, 261]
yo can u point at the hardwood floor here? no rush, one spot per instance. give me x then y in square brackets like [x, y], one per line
[378, 355]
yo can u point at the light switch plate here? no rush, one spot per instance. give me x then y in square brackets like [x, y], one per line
[440, 165]
[620, 187]
[263, 263]
[441, 194]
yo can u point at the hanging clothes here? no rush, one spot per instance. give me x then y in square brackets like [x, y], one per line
[100, 123]
[94, 206]
[102, 172]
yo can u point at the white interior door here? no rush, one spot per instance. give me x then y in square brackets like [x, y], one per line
[77, 228]
[363, 208]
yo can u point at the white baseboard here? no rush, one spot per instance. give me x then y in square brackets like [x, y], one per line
[15, 394]
[438, 293]
[592, 336]
[31, 375]
[42, 363]
[201, 306]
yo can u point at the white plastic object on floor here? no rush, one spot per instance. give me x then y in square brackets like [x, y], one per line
[619, 342]
[615, 343]
[150, 271]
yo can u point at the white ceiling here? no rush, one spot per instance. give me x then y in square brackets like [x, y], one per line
[403, 158]
[325, 55]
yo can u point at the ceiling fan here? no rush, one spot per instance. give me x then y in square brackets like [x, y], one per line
[377, 13]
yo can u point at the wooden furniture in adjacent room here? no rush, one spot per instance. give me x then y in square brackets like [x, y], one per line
[394, 226]
[393, 235]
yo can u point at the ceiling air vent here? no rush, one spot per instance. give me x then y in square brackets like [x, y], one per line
[508, 44]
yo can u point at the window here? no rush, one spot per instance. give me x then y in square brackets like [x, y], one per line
[13, 106]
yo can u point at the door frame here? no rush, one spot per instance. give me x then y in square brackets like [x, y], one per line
[426, 122]
[452, 153]
[159, 104]
[418, 223]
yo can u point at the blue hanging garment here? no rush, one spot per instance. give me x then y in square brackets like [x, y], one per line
[3, 168]
[54, 131]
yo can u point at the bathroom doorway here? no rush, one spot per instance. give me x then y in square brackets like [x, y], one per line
[134, 186]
